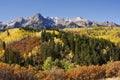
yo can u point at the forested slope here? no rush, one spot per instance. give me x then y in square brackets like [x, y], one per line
[65, 50]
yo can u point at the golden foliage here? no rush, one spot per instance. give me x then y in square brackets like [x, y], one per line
[108, 33]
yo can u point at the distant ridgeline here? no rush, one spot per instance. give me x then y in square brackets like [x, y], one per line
[38, 22]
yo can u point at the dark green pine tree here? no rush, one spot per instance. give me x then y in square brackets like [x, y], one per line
[43, 36]
[4, 45]
[6, 54]
[72, 43]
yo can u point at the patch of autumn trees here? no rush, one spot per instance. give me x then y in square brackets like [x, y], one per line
[16, 72]
[25, 45]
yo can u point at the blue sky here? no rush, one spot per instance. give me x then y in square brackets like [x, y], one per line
[95, 10]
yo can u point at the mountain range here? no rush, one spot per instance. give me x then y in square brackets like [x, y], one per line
[38, 22]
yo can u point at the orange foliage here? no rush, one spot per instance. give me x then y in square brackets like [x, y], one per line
[85, 73]
[26, 45]
[16, 72]
[113, 69]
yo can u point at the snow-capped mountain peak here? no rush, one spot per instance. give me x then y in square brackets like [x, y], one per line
[37, 21]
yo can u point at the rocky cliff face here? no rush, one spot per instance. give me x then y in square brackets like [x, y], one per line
[37, 21]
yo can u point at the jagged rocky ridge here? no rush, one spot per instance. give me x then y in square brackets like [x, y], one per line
[37, 21]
